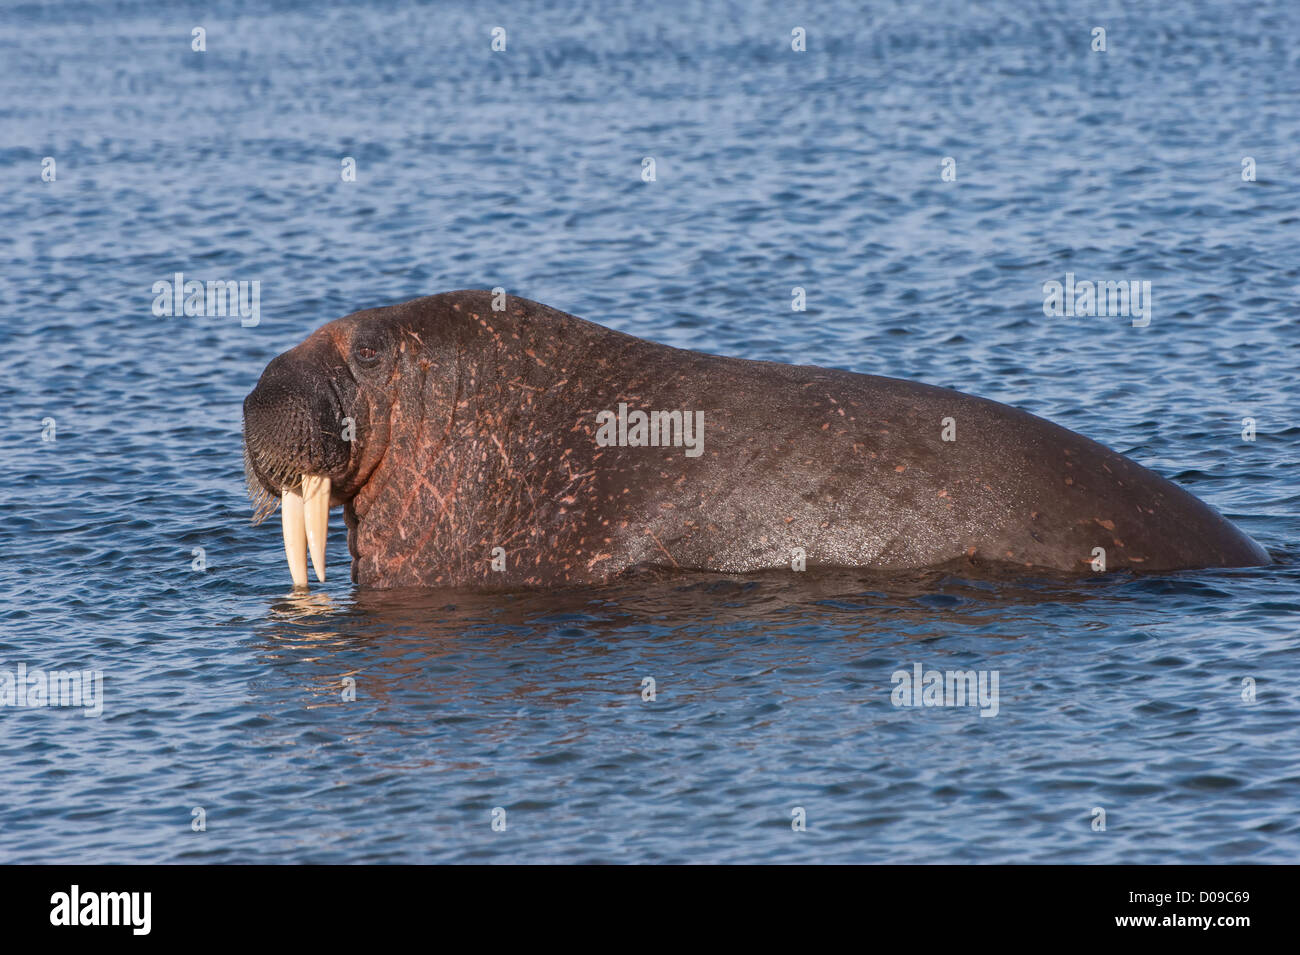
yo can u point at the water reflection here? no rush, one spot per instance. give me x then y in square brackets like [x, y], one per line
[546, 646]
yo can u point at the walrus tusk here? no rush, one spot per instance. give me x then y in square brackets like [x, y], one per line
[295, 534]
[316, 498]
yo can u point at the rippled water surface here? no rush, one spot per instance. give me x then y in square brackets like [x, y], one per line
[774, 169]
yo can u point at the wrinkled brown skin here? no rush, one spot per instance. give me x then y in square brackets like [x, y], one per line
[476, 430]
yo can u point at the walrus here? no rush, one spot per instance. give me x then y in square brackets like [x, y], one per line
[478, 440]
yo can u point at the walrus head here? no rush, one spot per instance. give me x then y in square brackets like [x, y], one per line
[316, 427]
[452, 429]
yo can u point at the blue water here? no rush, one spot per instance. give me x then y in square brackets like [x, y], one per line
[774, 169]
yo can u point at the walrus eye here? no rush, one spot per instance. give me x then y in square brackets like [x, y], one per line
[365, 354]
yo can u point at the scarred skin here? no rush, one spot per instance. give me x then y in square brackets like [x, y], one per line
[476, 429]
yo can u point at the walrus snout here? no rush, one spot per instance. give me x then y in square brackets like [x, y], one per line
[294, 424]
[294, 449]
